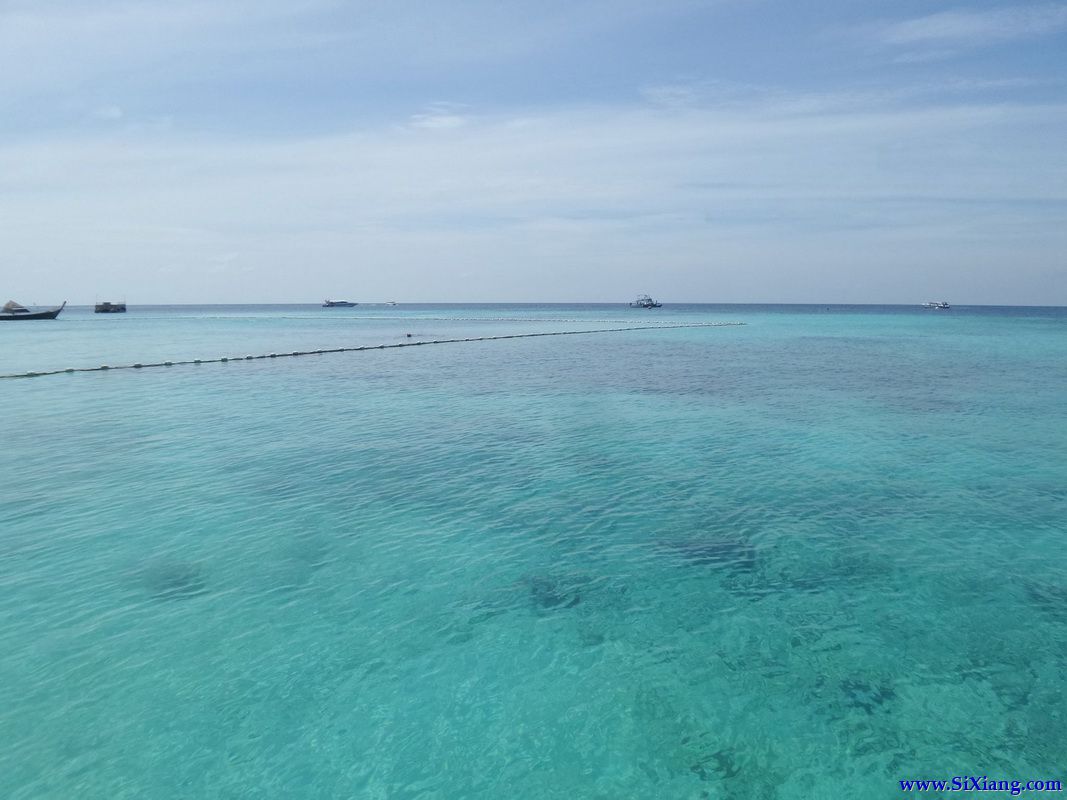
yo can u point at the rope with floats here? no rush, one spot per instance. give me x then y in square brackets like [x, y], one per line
[296, 353]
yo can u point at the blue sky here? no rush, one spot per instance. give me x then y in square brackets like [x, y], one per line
[730, 151]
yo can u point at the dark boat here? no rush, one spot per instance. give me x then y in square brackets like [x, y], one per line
[338, 304]
[13, 310]
[644, 301]
[110, 308]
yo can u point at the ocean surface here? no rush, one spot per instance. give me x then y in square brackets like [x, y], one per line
[805, 557]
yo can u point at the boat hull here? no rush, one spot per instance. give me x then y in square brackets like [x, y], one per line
[645, 301]
[50, 314]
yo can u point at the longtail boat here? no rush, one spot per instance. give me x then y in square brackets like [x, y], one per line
[12, 310]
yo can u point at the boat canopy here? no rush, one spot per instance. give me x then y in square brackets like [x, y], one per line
[14, 308]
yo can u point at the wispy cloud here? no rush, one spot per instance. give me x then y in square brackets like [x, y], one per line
[671, 95]
[586, 140]
[63, 45]
[778, 101]
[575, 197]
[707, 92]
[440, 116]
[57, 49]
[965, 27]
[925, 56]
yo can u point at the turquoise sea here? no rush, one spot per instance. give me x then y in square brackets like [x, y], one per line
[806, 557]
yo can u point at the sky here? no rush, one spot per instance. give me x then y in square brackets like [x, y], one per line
[830, 151]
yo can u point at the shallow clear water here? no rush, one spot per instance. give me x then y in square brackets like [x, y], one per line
[803, 558]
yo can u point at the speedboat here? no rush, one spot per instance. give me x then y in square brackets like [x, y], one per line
[938, 304]
[644, 301]
[338, 304]
[109, 308]
[12, 310]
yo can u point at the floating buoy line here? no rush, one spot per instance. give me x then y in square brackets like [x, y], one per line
[295, 353]
[416, 318]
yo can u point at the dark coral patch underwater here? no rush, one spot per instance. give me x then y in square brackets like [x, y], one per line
[735, 554]
[174, 580]
[548, 593]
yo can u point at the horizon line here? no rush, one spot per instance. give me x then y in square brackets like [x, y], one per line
[574, 303]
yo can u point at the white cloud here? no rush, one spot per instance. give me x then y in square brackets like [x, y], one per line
[58, 47]
[925, 56]
[972, 27]
[670, 95]
[440, 116]
[572, 199]
[695, 171]
[705, 92]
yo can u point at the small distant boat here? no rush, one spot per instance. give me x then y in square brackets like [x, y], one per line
[644, 301]
[109, 308]
[338, 304]
[938, 304]
[12, 310]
